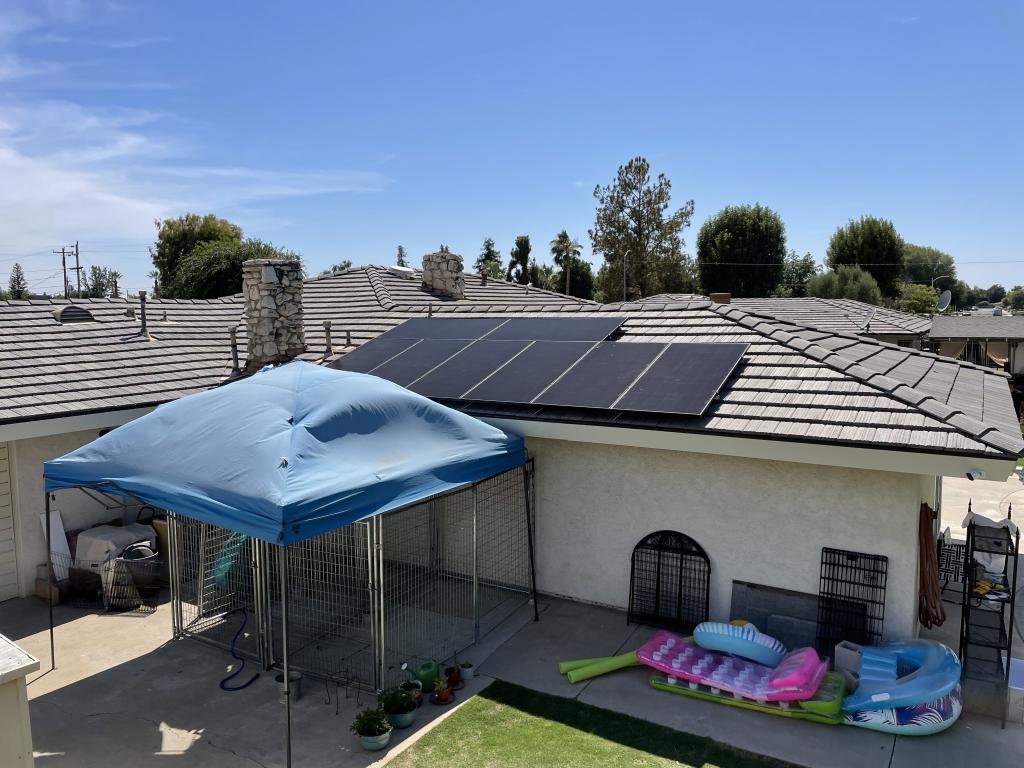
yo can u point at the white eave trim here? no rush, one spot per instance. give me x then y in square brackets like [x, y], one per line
[908, 462]
[60, 425]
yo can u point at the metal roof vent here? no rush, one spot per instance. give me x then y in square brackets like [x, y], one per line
[406, 273]
[73, 313]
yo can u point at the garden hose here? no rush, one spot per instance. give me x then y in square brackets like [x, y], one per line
[234, 654]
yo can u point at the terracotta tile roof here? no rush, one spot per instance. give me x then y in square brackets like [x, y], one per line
[795, 382]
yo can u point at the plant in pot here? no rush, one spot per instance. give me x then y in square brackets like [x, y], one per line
[467, 670]
[442, 691]
[453, 675]
[415, 689]
[399, 705]
[373, 728]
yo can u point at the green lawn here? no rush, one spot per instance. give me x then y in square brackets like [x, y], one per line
[508, 726]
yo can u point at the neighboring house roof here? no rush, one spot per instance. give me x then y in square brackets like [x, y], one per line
[795, 383]
[978, 327]
[838, 315]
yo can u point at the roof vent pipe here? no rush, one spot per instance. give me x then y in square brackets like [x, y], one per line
[235, 369]
[327, 333]
[142, 313]
[348, 338]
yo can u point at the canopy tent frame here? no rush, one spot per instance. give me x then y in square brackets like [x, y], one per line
[322, 450]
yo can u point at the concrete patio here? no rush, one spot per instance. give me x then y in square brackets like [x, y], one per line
[125, 694]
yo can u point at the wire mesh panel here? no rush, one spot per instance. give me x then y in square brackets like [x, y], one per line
[213, 583]
[669, 582]
[329, 617]
[851, 598]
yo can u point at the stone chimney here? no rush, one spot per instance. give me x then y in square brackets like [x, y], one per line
[721, 298]
[442, 273]
[273, 311]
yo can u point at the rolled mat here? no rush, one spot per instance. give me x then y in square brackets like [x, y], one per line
[603, 667]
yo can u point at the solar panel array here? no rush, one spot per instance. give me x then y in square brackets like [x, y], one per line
[547, 361]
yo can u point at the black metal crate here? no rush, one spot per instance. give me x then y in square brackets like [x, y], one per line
[669, 582]
[851, 598]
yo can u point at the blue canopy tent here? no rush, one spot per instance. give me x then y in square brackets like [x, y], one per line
[290, 453]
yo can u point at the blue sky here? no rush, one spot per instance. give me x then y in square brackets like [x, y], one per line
[340, 129]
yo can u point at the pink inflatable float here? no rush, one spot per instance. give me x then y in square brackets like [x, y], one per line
[796, 678]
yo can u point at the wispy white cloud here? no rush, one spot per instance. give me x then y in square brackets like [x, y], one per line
[137, 42]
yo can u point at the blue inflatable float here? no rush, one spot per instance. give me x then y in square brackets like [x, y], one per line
[910, 688]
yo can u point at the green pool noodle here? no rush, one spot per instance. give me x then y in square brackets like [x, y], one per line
[603, 667]
[565, 667]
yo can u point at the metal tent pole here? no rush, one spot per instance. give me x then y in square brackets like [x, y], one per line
[49, 580]
[283, 577]
[527, 478]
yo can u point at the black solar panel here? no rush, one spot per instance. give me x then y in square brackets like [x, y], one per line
[444, 328]
[417, 360]
[600, 378]
[371, 354]
[557, 328]
[527, 374]
[683, 379]
[467, 369]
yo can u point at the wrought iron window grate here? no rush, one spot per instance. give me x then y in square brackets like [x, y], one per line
[851, 598]
[669, 582]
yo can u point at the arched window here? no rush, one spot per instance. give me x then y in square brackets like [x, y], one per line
[669, 581]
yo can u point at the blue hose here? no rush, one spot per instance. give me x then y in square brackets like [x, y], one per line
[234, 654]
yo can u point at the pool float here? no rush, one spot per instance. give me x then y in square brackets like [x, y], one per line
[743, 641]
[823, 707]
[910, 688]
[796, 678]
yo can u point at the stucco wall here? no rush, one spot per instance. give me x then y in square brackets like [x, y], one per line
[77, 510]
[759, 521]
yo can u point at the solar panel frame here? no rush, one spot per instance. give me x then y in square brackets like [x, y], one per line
[373, 353]
[470, 328]
[529, 373]
[657, 391]
[598, 379]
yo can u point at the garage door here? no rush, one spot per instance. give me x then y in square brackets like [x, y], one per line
[8, 568]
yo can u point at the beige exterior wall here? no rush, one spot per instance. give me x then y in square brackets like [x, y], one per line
[759, 521]
[76, 509]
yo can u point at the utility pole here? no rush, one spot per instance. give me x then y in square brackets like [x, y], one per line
[64, 267]
[78, 271]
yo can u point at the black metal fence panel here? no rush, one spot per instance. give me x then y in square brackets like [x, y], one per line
[851, 598]
[669, 582]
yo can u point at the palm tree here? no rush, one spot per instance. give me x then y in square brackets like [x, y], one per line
[564, 251]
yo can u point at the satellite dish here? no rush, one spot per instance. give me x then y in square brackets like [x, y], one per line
[869, 318]
[944, 298]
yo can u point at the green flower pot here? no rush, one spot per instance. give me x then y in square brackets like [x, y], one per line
[403, 720]
[375, 743]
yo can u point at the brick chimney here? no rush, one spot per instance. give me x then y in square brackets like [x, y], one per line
[273, 311]
[442, 273]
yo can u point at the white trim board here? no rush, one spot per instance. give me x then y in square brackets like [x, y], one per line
[58, 426]
[753, 448]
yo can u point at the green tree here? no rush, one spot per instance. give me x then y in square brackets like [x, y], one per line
[519, 261]
[633, 225]
[566, 252]
[214, 269]
[919, 299]
[176, 238]
[543, 276]
[17, 286]
[922, 264]
[101, 282]
[401, 259]
[1015, 299]
[489, 260]
[741, 250]
[995, 293]
[872, 244]
[845, 283]
[796, 273]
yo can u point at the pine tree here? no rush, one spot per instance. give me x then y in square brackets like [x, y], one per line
[489, 260]
[17, 287]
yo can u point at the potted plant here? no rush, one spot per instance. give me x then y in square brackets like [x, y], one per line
[467, 670]
[415, 689]
[373, 728]
[442, 691]
[454, 675]
[399, 705]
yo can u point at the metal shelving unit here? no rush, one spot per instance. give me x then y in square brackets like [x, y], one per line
[986, 622]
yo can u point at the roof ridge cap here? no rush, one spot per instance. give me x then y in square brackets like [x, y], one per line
[380, 290]
[823, 355]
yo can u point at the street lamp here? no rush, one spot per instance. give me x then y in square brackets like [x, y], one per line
[938, 277]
